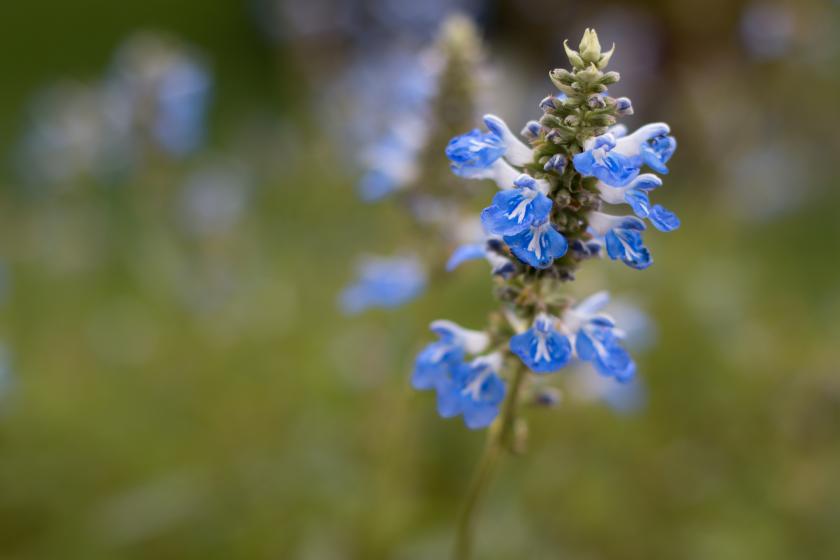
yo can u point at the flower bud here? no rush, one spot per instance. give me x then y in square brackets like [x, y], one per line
[624, 106]
[573, 56]
[605, 58]
[590, 48]
[596, 102]
[610, 78]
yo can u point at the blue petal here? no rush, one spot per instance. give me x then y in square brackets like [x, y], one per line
[616, 169]
[512, 211]
[627, 246]
[449, 402]
[549, 245]
[473, 152]
[463, 253]
[375, 185]
[480, 410]
[639, 201]
[663, 219]
[601, 347]
[431, 367]
[652, 160]
[542, 352]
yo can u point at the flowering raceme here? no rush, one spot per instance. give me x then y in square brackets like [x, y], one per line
[559, 203]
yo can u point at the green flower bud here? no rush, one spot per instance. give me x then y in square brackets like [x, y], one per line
[590, 48]
[573, 56]
[605, 58]
[610, 78]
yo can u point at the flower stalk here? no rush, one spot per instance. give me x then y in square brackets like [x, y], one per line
[547, 218]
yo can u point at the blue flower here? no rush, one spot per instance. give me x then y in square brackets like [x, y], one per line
[597, 340]
[601, 160]
[182, 98]
[514, 210]
[617, 160]
[542, 348]
[538, 245]
[384, 282]
[434, 365]
[475, 391]
[622, 237]
[650, 145]
[479, 155]
[636, 195]
[474, 152]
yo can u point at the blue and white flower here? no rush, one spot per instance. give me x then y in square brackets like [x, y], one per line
[488, 155]
[597, 340]
[601, 159]
[474, 391]
[515, 210]
[384, 282]
[636, 194]
[538, 245]
[474, 152]
[617, 160]
[622, 237]
[542, 347]
[433, 366]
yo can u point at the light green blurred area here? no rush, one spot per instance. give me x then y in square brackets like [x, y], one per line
[140, 424]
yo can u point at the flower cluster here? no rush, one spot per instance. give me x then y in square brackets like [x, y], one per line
[550, 214]
[155, 95]
[428, 99]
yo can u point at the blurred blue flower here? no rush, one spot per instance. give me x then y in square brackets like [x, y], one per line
[597, 340]
[474, 391]
[165, 89]
[384, 282]
[434, 364]
[542, 348]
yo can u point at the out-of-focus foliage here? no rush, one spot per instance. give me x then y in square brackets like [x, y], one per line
[177, 382]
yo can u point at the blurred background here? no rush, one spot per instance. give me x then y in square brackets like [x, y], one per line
[180, 211]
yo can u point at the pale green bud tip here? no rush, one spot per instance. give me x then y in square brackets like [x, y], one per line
[573, 56]
[590, 48]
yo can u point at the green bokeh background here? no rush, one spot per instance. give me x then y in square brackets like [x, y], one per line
[269, 426]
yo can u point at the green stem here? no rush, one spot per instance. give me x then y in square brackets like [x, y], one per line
[498, 440]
